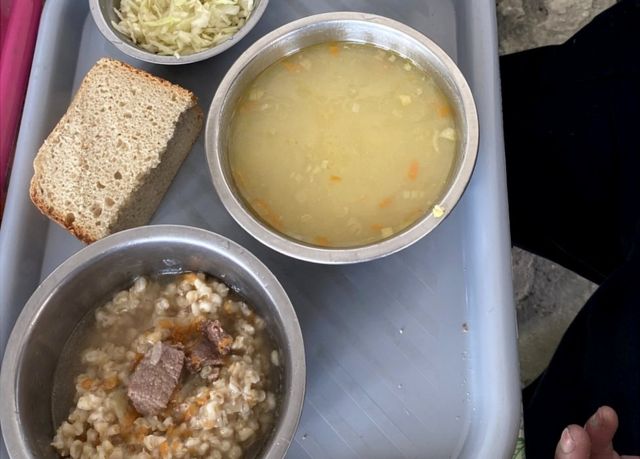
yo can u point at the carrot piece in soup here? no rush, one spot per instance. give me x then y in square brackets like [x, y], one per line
[413, 170]
[265, 211]
[386, 202]
[444, 110]
[291, 67]
[321, 240]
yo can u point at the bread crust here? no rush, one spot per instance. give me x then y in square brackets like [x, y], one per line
[106, 61]
[56, 216]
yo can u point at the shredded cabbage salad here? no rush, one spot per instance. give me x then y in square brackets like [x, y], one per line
[181, 27]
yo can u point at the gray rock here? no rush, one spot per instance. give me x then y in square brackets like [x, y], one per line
[525, 24]
[548, 297]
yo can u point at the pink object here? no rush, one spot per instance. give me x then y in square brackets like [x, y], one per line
[19, 21]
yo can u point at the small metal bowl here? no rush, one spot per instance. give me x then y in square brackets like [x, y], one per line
[28, 406]
[103, 14]
[353, 27]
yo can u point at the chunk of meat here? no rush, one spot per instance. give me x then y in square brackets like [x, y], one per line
[155, 378]
[214, 332]
[202, 354]
[210, 348]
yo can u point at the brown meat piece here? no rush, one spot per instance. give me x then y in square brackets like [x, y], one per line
[155, 378]
[210, 348]
[202, 354]
[214, 332]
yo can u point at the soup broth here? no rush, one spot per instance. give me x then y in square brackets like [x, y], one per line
[342, 144]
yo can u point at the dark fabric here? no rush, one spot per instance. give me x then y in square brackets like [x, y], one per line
[572, 129]
[597, 363]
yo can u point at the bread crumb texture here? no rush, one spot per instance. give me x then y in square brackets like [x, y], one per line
[112, 156]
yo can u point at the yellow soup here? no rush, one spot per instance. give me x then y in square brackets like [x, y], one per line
[342, 144]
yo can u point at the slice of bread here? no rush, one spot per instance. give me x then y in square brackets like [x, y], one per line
[111, 158]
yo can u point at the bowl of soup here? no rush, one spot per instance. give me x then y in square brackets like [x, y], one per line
[341, 138]
[163, 341]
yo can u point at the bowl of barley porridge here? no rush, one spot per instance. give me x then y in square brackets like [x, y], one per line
[158, 342]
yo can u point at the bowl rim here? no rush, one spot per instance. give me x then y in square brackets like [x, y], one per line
[308, 252]
[134, 51]
[286, 426]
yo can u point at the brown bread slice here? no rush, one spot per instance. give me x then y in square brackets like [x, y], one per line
[111, 158]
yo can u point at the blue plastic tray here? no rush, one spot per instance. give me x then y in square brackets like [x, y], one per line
[410, 356]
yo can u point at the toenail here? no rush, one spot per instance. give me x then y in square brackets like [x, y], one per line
[567, 443]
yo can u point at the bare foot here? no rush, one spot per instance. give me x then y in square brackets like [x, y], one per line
[594, 440]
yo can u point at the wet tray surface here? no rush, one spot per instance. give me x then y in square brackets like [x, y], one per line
[410, 356]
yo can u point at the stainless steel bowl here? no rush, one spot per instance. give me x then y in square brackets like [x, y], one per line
[103, 15]
[353, 27]
[87, 280]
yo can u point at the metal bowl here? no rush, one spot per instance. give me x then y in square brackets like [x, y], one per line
[354, 27]
[103, 14]
[28, 408]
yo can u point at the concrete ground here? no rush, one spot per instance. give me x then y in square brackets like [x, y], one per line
[547, 296]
